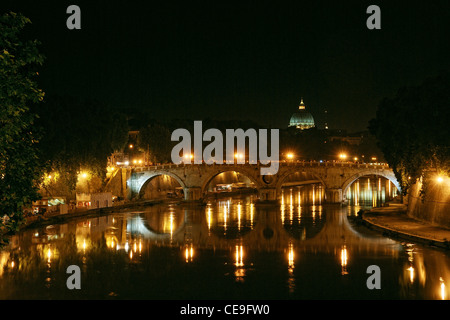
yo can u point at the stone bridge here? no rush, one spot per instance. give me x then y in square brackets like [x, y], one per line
[336, 177]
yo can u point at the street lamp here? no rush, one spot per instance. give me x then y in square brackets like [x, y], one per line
[342, 156]
[188, 157]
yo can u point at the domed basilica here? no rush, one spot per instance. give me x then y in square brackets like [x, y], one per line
[302, 119]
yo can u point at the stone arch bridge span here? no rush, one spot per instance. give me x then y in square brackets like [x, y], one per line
[336, 177]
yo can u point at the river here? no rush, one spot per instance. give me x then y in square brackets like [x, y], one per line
[230, 248]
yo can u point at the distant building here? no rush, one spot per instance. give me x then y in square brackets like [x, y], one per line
[94, 200]
[302, 119]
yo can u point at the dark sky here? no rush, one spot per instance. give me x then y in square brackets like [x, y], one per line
[240, 60]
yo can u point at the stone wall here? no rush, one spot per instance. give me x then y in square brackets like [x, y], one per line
[434, 207]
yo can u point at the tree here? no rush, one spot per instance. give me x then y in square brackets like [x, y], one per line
[155, 140]
[412, 130]
[20, 169]
[79, 135]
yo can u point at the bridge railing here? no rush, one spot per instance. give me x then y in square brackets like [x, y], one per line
[347, 164]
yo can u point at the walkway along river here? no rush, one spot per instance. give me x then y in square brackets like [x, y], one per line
[229, 248]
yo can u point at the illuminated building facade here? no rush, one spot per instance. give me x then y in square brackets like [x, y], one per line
[302, 119]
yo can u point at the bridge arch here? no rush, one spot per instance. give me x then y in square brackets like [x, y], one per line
[148, 176]
[218, 171]
[315, 178]
[388, 175]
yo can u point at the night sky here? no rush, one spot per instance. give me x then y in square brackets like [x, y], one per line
[240, 60]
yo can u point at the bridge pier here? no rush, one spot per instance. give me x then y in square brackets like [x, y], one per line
[192, 193]
[267, 196]
[333, 195]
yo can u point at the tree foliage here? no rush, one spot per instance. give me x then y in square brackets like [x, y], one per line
[79, 135]
[412, 129]
[20, 168]
[155, 140]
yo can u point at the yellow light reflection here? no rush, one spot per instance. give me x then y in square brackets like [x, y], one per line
[291, 256]
[225, 216]
[442, 288]
[313, 195]
[239, 255]
[411, 274]
[189, 253]
[239, 216]
[252, 208]
[344, 260]
[208, 214]
[239, 262]
[291, 208]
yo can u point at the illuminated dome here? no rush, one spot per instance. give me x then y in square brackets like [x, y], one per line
[302, 119]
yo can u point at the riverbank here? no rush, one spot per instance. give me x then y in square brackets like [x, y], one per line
[393, 222]
[90, 213]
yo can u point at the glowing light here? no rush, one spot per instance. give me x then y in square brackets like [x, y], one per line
[225, 214]
[49, 255]
[189, 253]
[344, 260]
[411, 274]
[342, 156]
[251, 215]
[209, 218]
[290, 156]
[442, 288]
[239, 216]
[131, 146]
[239, 255]
[291, 256]
[439, 179]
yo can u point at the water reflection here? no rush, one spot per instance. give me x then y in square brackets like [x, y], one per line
[371, 191]
[301, 249]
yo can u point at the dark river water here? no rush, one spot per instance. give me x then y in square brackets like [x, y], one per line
[229, 248]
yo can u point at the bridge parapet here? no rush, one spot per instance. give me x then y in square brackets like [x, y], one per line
[333, 164]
